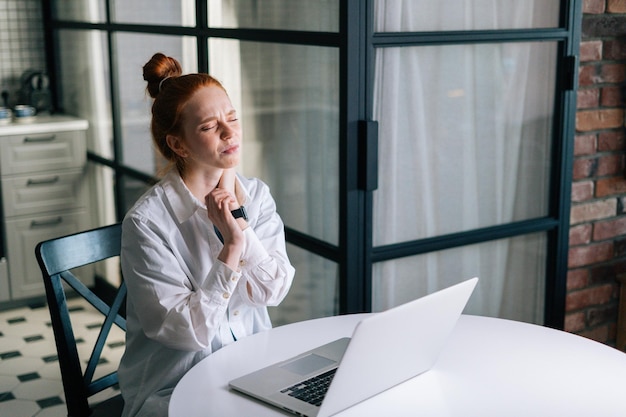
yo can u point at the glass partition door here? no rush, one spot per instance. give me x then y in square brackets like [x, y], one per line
[466, 151]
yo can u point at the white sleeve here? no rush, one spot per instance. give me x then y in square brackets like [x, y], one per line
[169, 309]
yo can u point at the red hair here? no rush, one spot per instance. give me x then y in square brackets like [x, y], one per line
[171, 90]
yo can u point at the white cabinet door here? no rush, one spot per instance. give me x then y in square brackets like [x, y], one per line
[24, 234]
[45, 192]
[22, 154]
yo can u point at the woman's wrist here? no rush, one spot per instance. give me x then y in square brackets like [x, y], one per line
[231, 254]
[243, 224]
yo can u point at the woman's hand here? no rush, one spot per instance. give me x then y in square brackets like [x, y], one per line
[227, 182]
[218, 204]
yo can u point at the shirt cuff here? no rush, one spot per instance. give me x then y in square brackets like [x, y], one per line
[222, 286]
[254, 252]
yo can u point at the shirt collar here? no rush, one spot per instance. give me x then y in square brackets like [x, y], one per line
[184, 203]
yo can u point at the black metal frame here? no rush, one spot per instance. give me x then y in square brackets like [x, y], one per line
[356, 43]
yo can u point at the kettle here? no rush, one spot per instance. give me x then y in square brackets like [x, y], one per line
[36, 90]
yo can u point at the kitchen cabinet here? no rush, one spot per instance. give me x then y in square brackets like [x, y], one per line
[44, 194]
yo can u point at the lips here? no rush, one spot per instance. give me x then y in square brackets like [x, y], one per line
[231, 149]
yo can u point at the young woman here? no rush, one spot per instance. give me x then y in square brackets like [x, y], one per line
[203, 251]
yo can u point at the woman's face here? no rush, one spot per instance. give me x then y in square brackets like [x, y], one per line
[211, 131]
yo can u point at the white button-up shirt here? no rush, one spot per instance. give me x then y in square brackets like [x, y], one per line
[182, 302]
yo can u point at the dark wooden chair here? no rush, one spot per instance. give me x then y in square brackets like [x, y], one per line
[56, 257]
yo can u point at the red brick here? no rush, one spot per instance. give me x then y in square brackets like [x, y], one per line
[591, 254]
[582, 191]
[611, 141]
[577, 279]
[612, 330]
[596, 210]
[614, 50]
[588, 98]
[587, 75]
[588, 297]
[584, 145]
[593, 6]
[611, 97]
[613, 73]
[610, 186]
[588, 120]
[610, 165]
[580, 235]
[607, 229]
[601, 314]
[616, 6]
[574, 322]
[584, 168]
[606, 273]
[599, 334]
[590, 51]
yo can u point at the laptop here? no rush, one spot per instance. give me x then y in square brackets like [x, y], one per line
[385, 349]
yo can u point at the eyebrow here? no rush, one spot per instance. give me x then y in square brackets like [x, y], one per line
[211, 118]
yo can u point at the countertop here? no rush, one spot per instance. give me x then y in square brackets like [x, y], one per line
[44, 124]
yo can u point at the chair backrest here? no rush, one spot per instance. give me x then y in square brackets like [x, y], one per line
[56, 257]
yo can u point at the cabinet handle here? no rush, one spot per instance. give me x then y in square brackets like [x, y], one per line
[43, 223]
[40, 139]
[43, 181]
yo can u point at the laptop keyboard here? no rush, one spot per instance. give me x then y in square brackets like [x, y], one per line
[313, 389]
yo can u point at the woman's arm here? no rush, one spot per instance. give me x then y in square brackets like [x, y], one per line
[169, 306]
[264, 264]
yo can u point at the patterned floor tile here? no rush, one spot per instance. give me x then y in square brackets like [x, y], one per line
[30, 378]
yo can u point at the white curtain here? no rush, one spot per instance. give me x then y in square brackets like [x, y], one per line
[464, 143]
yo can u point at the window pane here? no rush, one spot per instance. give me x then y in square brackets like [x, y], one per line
[133, 189]
[84, 62]
[290, 117]
[440, 15]
[154, 12]
[305, 15]
[511, 272]
[133, 51]
[465, 135]
[102, 180]
[313, 293]
[79, 10]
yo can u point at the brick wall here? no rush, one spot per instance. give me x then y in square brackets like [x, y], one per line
[597, 253]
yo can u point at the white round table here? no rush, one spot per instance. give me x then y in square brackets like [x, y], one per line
[490, 367]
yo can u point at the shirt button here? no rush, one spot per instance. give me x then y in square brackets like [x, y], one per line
[242, 262]
[234, 278]
[236, 313]
[226, 295]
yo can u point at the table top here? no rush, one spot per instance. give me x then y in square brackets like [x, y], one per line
[490, 367]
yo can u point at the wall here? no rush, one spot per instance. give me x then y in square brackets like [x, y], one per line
[597, 252]
[21, 44]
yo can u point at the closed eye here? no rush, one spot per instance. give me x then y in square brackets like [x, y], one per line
[207, 128]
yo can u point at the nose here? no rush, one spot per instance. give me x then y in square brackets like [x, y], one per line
[226, 132]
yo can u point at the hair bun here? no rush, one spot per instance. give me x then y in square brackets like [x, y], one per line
[158, 69]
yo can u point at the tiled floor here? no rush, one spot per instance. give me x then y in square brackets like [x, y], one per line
[30, 379]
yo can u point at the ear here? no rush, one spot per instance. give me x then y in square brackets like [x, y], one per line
[177, 145]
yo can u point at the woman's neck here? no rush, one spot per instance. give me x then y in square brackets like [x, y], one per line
[201, 183]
